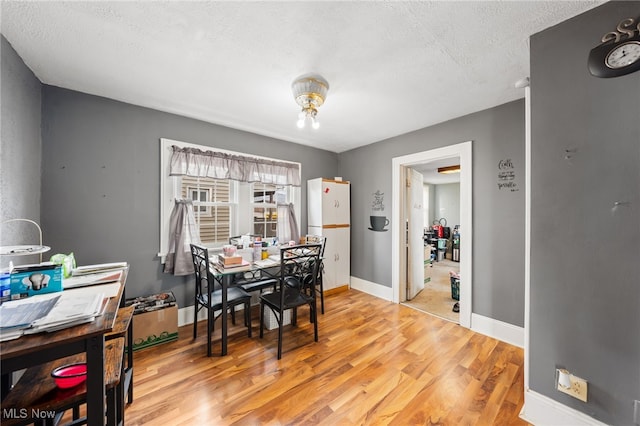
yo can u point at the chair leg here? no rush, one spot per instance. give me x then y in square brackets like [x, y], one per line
[261, 319]
[321, 295]
[280, 326]
[210, 317]
[314, 309]
[119, 400]
[112, 406]
[195, 318]
[247, 316]
[130, 363]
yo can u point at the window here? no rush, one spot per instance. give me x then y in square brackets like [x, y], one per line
[264, 203]
[223, 207]
[198, 194]
[213, 204]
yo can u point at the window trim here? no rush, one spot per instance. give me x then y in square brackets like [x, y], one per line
[167, 191]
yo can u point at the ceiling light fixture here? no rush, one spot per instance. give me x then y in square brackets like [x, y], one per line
[449, 169]
[309, 91]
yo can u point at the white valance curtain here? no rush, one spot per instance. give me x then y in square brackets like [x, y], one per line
[219, 165]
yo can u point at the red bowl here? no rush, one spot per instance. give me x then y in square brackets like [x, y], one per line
[68, 376]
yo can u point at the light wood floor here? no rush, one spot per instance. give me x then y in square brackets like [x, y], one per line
[435, 298]
[376, 363]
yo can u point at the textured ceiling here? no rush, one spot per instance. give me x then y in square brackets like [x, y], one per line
[392, 67]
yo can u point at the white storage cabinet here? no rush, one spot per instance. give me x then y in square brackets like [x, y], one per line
[329, 214]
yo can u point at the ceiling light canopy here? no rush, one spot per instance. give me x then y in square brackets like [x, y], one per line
[449, 169]
[309, 91]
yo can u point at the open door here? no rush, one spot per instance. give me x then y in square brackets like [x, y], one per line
[415, 234]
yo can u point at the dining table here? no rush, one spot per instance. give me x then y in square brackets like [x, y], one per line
[226, 278]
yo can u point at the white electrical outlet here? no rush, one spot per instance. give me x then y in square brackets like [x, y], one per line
[577, 387]
[636, 412]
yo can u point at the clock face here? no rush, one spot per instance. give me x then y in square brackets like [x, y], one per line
[624, 55]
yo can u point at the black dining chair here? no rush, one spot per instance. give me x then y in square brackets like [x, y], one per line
[296, 288]
[208, 295]
[319, 239]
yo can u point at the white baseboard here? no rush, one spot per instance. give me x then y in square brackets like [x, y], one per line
[372, 288]
[185, 315]
[506, 332]
[541, 410]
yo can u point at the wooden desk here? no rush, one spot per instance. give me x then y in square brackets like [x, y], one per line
[34, 349]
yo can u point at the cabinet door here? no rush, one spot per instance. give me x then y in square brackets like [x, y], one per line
[330, 248]
[343, 257]
[336, 257]
[342, 212]
[335, 203]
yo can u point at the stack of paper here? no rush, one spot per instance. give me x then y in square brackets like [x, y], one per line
[92, 279]
[71, 309]
[98, 268]
[16, 316]
[266, 263]
[54, 311]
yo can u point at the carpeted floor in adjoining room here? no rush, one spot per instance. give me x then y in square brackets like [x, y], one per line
[436, 296]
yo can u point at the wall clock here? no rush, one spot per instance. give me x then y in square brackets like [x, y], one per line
[619, 53]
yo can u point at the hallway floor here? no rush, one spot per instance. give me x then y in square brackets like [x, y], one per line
[436, 296]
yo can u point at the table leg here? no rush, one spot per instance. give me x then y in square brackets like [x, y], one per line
[95, 380]
[225, 286]
[210, 318]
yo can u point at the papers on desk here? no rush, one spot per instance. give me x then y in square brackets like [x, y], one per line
[91, 279]
[19, 315]
[98, 268]
[71, 309]
[267, 263]
[54, 311]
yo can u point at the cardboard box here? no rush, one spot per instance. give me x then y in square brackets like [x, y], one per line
[229, 260]
[155, 320]
[29, 280]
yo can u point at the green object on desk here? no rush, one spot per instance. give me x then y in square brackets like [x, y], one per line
[68, 262]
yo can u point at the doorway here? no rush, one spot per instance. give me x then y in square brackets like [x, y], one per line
[433, 237]
[398, 250]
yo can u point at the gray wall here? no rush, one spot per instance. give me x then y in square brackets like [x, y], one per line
[432, 203]
[585, 258]
[101, 180]
[498, 222]
[447, 203]
[20, 153]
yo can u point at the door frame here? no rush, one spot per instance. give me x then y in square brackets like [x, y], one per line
[398, 255]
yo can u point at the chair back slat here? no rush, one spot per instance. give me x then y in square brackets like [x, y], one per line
[299, 270]
[204, 278]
